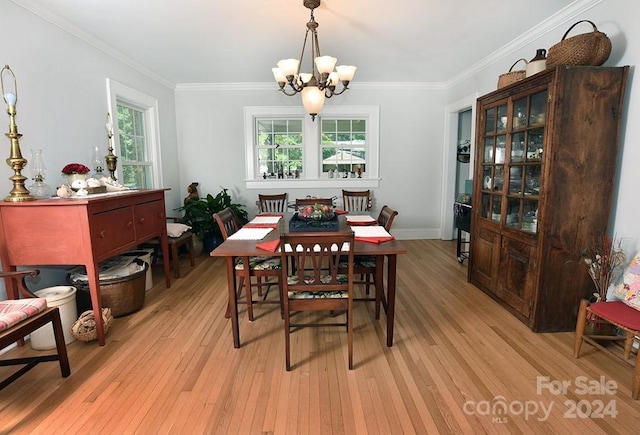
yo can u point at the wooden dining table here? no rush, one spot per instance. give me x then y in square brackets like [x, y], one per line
[231, 249]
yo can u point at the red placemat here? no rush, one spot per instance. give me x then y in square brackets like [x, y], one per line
[271, 245]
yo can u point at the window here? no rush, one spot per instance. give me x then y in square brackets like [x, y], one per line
[286, 149]
[344, 145]
[280, 149]
[136, 137]
[136, 168]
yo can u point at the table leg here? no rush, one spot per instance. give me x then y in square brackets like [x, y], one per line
[391, 296]
[233, 301]
[96, 302]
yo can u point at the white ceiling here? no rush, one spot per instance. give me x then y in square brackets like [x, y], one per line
[233, 41]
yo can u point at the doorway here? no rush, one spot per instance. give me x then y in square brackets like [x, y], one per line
[456, 126]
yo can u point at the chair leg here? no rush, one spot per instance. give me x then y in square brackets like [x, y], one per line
[175, 261]
[580, 324]
[61, 347]
[628, 343]
[192, 254]
[227, 314]
[259, 285]
[249, 297]
[287, 339]
[350, 333]
[379, 284]
[635, 384]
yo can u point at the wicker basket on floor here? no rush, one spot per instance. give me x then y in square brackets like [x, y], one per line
[84, 329]
[123, 295]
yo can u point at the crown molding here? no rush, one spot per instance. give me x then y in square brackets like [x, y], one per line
[507, 51]
[63, 24]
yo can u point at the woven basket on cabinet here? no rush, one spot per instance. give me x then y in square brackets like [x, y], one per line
[512, 76]
[592, 49]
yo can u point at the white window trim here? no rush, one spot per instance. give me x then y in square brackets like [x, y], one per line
[313, 178]
[149, 105]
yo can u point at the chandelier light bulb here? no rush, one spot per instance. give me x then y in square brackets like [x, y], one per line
[346, 72]
[312, 100]
[289, 67]
[10, 98]
[277, 74]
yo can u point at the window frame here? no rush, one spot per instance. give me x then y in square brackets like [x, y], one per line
[312, 147]
[119, 94]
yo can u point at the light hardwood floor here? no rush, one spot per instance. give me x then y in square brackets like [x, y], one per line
[171, 368]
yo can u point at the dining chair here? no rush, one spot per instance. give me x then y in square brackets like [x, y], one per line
[259, 267]
[311, 281]
[20, 317]
[301, 202]
[356, 201]
[272, 203]
[366, 265]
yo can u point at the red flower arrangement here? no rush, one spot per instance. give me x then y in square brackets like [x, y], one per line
[75, 168]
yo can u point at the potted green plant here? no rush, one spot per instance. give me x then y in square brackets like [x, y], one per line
[198, 214]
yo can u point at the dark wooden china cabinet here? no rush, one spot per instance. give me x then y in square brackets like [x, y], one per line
[545, 156]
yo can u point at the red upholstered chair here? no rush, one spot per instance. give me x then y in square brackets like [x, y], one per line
[23, 316]
[617, 313]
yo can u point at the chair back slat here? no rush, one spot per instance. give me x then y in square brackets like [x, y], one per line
[386, 217]
[227, 222]
[356, 201]
[272, 203]
[315, 261]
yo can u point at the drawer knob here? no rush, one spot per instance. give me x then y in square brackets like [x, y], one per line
[141, 220]
[129, 224]
[103, 234]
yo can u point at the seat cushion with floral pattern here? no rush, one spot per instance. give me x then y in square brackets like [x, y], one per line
[368, 261]
[260, 263]
[325, 279]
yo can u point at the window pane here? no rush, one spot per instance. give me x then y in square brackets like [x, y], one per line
[136, 169]
[135, 176]
[279, 147]
[344, 145]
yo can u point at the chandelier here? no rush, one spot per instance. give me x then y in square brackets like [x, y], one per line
[321, 82]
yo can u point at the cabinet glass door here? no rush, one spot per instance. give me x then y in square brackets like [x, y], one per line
[493, 162]
[524, 165]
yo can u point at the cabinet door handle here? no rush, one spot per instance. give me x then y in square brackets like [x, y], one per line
[141, 220]
[103, 234]
[129, 224]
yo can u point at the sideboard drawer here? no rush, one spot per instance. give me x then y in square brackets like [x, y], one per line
[112, 230]
[149, 218]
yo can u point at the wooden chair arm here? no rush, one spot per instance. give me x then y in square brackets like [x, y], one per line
[20, 276]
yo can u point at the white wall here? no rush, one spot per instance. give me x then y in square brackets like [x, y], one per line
[62, 100]
[618, 19]
[211, 137]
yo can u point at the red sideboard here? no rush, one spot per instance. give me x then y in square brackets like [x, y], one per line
[82, 231]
